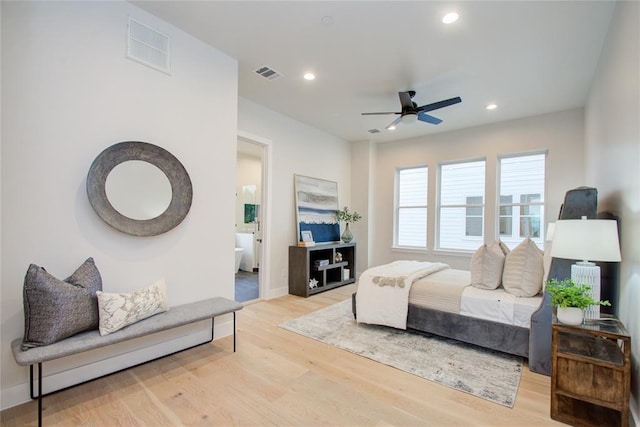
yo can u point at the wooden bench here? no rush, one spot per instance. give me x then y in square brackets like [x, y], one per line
[176, 316]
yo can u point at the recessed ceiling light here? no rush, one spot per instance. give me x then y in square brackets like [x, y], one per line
[327, 20]
[309, 76]
[450, 18]
[391, 128]
[491, 106]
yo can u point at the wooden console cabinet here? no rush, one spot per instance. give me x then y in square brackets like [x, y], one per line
[303, 267]
[591, 373]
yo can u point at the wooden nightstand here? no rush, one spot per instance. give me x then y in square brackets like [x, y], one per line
[591, 373]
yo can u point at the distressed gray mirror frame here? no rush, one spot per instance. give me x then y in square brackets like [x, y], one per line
[181, 189]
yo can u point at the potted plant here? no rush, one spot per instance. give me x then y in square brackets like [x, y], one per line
[570, 299]
[347, 217]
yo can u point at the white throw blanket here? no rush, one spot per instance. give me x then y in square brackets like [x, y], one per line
[383, 291]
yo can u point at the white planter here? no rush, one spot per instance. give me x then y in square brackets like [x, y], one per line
[569, 315]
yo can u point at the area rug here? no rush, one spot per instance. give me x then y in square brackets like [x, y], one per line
[484, 373]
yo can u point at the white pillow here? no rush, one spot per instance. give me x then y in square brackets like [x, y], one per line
[118, 310]
[523, 270]
[486, 266]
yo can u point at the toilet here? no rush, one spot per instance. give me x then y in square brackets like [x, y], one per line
[238, 258]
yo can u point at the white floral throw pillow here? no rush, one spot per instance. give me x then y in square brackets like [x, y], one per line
[118, 310]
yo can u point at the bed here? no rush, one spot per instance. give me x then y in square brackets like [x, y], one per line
[442, 302]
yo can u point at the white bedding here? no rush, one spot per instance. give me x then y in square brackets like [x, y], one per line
[441, 290]
[498, 306]
[495, 305]
[383, 291]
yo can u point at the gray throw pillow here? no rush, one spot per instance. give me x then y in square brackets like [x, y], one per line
[56, 309]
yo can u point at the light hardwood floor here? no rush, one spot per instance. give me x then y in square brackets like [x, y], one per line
[278, 378]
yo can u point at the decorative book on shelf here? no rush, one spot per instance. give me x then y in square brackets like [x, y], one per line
[306, 244]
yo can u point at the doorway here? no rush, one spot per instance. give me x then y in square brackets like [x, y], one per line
[250, 214]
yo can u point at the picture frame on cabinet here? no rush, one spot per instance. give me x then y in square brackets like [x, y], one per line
[316, 208]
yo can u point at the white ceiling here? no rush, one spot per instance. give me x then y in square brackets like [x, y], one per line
[528, 57]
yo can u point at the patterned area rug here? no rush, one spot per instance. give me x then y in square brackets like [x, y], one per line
[487, 374]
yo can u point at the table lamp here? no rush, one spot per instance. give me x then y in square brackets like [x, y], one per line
[587, 240]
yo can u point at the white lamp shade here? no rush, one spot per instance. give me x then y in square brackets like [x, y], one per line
[551, 228]
[586, 239]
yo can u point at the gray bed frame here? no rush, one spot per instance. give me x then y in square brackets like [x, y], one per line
[534, 343]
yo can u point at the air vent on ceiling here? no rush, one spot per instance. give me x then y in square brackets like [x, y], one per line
[148, 46]
[268, 73]
[374, 131]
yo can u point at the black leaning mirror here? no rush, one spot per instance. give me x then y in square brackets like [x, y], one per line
[180, 197]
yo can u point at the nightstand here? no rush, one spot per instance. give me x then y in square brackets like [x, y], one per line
[591, 373]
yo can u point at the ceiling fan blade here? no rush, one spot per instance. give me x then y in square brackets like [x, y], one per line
[375, 114]
[395, 122]
[429, 119]
[440, 104]
[405, 100]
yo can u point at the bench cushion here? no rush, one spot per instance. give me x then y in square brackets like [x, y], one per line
[176, 316]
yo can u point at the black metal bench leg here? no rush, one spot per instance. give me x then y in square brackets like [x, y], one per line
[39, 394]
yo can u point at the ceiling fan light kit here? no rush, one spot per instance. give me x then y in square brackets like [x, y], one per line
[411, 113]
[409, 118]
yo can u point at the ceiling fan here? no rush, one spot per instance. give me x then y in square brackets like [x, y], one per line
[411, 112]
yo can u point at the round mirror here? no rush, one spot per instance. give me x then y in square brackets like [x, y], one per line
[139, 188]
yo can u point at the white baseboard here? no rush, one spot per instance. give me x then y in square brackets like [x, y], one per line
[72, 370]
[277, 292]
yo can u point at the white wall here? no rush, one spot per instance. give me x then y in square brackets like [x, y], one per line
[560, 133]
[612, 161]
[363, 177]
[296, 149]
[67, 93]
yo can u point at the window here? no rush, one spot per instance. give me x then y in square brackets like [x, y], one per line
[473, 224]
[522, 199]
[506, 216]
[461, 212]
[529, 216]
[411, 207]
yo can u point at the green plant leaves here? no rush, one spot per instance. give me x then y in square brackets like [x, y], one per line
[569, 294]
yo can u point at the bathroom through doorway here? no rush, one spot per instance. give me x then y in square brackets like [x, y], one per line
[249, 227]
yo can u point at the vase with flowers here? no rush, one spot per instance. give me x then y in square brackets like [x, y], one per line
[348, 217]
[570, 299]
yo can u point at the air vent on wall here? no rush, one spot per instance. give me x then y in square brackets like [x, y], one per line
[268, 73]
[148, 46]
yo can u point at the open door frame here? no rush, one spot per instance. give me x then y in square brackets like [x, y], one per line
[264, 257]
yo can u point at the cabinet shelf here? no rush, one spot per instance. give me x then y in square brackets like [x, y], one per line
[302, 268]
[330, 266]
[328, 286]
[593, 401]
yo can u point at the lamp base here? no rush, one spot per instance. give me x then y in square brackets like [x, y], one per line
[587, 273]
